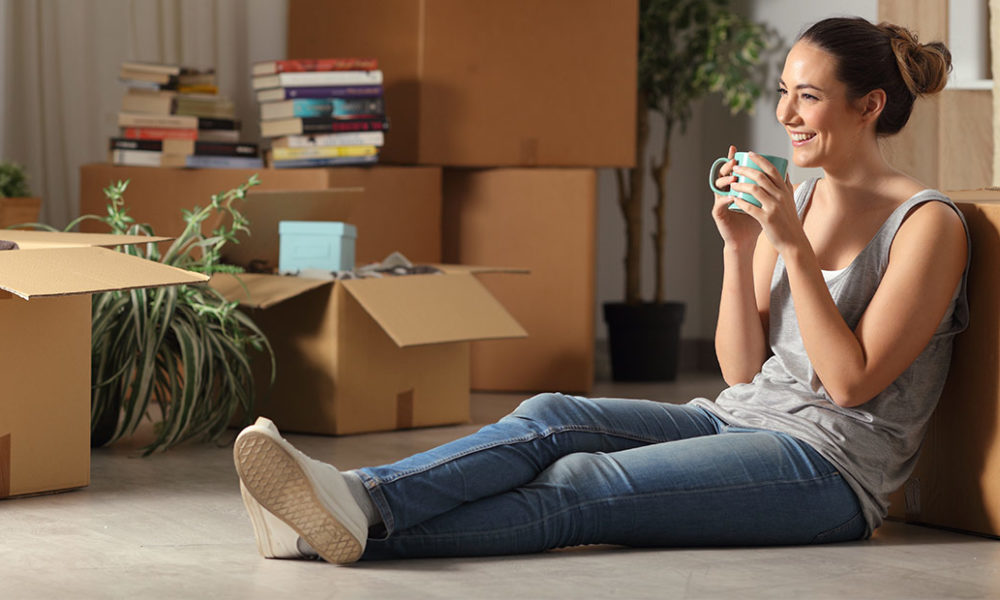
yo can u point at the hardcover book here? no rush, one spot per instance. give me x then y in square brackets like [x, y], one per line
[322, 152]
[314, 64]
[160, 121]
[329, 161]
[334, 91]
[358, 138]
[317, 78]
[299, 126]
[323, 107]
[159, 133]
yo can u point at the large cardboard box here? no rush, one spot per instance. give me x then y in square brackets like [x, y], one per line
[956, 482]
[515, 83]
[394, 208]
[14, 211]
[543, 220]
[45, 288]
[366, 355]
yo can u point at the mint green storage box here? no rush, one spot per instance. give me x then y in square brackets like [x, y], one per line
[322, 245]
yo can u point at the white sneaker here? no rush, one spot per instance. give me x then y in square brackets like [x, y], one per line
[274, 538]
[293, 495]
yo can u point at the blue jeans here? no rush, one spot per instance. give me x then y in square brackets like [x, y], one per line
[565, 471]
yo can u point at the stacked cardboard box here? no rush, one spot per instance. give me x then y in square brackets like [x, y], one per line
[956, 483]
[45, 288]
[394, 208]
[505, 86]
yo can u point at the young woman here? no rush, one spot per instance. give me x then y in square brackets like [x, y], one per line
[840, 301]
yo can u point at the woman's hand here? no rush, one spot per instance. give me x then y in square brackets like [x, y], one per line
[776, 214]
[737, 231]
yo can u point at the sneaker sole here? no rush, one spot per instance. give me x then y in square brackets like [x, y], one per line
[279, 484]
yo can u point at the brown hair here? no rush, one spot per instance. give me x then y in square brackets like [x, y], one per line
[884, 56]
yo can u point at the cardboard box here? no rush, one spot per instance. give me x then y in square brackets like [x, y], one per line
[406, 223]
[543, 220]
[956, 482]
[369, 354]
[14, 211]
[394, 208]
[516, 83]
[45, 289]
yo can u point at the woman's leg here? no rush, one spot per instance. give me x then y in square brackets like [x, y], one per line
[741, 487]
[514, 451]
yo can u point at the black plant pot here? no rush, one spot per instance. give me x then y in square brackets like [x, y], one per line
[644, 340]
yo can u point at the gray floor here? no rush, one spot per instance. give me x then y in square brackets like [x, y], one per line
[172, 526]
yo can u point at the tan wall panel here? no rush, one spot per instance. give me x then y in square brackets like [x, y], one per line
[966, 153]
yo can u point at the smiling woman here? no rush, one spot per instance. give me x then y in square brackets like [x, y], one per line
[833, 376]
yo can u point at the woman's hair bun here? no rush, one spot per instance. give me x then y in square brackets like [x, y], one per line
[924, 67]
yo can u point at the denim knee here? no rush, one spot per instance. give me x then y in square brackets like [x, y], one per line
[542, 407]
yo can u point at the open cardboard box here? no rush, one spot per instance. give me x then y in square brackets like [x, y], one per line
[369, 354]
[45, 320]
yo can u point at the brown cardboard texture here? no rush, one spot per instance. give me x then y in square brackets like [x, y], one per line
[515, 83]
[394, 208]
[369, 354]
[45, 326]
[544, 220]
[956, 482]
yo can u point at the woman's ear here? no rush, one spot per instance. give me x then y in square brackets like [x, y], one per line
[872, 104]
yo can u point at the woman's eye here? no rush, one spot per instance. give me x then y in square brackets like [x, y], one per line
[782, 91]
[809, 97]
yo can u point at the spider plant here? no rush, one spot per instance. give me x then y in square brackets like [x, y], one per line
[184, 348]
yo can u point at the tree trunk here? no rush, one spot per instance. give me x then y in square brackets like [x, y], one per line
[660, 211]
[631, 205]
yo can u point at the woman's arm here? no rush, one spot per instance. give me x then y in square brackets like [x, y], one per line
[926, 262]
[748, 263]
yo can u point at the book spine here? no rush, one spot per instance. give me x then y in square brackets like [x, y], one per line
[159, 133]
[325, 64]
[361, 138]
[322, 152]
[161, 121]
[136, 158]
[136, 144]
[224, 149]
[334, 91]
[337, 107]
[331, 125]
[223, 162]
[328, 161]
[217, 123]
[329, 78]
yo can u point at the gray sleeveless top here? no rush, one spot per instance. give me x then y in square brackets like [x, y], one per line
[874, 445]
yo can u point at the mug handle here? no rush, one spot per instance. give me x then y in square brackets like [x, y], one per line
[713, 174]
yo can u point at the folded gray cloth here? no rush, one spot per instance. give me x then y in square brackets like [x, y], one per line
[394, 264]
[5, 245]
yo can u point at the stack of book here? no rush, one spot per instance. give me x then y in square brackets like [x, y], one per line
[321, 112]
[173, 116]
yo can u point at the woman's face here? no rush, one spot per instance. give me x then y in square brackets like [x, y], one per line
[813, 107]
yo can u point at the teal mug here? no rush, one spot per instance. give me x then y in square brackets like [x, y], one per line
[743, 160]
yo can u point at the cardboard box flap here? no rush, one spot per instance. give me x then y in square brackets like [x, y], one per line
[255, 290]
[29, 240]
[83, 270]
[429, 309]
[479, 269]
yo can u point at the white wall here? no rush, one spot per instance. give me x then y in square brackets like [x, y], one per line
[693, 273]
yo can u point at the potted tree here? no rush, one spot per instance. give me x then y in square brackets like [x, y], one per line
[16, 203]
[687, 49]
